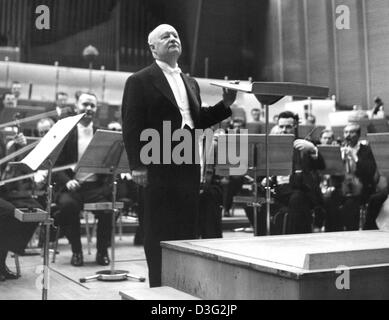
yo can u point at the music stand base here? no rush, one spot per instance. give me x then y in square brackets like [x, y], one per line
[113, 276]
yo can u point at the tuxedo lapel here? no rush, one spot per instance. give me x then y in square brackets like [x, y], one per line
[160, 82]
[193, 101]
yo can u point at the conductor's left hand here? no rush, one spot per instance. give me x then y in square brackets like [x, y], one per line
[140, 176]
[229, 97]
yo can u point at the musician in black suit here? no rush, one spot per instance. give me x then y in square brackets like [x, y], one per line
[14, 235]
[81, 188]
[357, 187]
[158, 93]
[299, 193]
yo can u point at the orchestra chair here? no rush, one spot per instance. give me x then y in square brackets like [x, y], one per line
[86, 214]
[362, 216]
[17, 265]
[128, 208]
[28, 216]
[103, 206]
[90, 233]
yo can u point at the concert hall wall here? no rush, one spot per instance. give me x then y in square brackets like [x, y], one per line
[304, 45]
[272, 40]
[229, 33]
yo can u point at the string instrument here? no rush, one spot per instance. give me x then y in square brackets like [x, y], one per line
[351, 186]
[31, 175]
[18, 152]
[18, 122]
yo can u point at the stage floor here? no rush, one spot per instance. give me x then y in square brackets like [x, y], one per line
[64, 278]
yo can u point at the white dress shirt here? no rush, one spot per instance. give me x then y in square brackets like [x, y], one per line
[85, 136]
[173, 76]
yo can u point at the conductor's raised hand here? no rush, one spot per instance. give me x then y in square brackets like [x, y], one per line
[140, 177]
[229, 97]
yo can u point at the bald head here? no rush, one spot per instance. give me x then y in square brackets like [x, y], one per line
[165, 44]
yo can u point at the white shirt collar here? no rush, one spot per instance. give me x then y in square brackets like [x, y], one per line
[166, 68]
[89, 126]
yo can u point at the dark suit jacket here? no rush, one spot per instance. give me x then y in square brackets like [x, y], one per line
[366, 169]
[304, 177]
[68, 155]
[148, 101]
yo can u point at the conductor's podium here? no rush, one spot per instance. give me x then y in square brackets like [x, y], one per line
[346, 265]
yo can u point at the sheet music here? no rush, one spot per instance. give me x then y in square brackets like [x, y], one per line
[50, 143]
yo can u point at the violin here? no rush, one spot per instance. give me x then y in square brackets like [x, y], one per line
[351, 186]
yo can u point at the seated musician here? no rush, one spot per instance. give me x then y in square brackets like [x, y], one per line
[9, 100]
[234, 184]
[14, 235]
[82, 188]
[357, 186]
[378, 111]
[376, 204]
[299, 193]
[16, 88]
[43, 126]
[209, 224]
[256, 115]
[63, 108]
[330, 185]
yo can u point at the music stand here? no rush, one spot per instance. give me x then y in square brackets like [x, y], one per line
[105, 155]
[332, 156]
[379, 143]
[43, 157]
[268, 93]
[280, 152]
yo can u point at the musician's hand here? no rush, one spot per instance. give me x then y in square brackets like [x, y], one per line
[140, 177]
[347, 153]
[20, 140]
[305, 146]
[72, 185]
[229, 97]
[40, 179]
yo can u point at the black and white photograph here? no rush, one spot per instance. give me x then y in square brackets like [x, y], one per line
[194, 154]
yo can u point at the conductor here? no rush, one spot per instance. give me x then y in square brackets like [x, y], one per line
[154, 96]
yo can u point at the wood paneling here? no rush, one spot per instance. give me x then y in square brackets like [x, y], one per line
[354, 63]
[378, 47]
[352, 89]
[293, 41]
[320, 47]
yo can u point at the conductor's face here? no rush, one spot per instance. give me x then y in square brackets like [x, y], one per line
[165, 44]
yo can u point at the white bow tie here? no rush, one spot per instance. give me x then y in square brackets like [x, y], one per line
[176, 70]
[87, 130]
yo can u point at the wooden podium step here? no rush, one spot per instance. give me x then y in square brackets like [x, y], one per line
[341, 266]
[160, 293]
